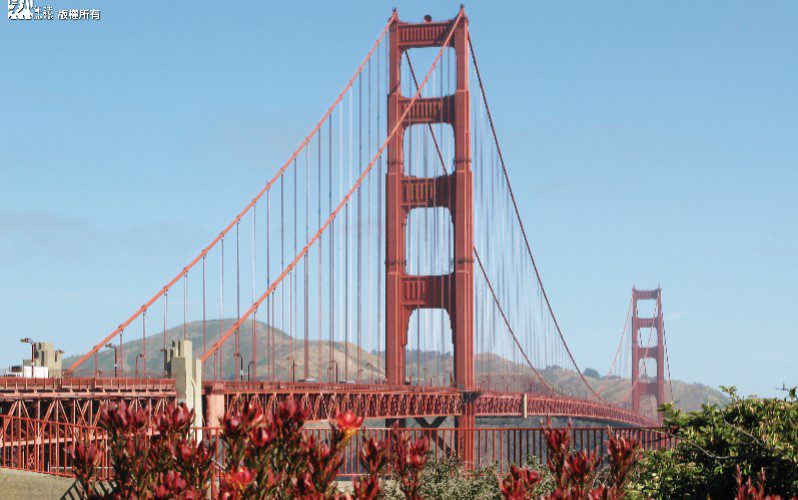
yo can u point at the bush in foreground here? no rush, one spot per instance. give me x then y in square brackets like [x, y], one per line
[266, 455]
[751, 441]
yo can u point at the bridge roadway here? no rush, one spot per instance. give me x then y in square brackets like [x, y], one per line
[77, 400]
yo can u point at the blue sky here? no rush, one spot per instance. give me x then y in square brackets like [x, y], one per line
[651, 144]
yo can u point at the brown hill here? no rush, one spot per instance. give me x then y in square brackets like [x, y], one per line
[289, 360]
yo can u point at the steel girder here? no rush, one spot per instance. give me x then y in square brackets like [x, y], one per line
[372, 401]
[78, 401]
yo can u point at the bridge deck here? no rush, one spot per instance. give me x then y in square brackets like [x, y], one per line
[323, 400]
[383, 401]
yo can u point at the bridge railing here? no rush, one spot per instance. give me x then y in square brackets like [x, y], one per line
[78, 383]
[45, 446]
[118, 374]
[501, 447]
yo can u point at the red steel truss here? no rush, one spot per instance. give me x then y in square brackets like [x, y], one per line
[78, 400]
[371, 401]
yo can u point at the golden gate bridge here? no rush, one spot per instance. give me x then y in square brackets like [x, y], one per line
[384, 268]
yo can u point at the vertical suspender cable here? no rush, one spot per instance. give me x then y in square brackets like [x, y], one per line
[358, 283]
[346, 250]
[221, 313]
[368, 221]
[204, 317]
[292, 310]
[270, 300]
[144, 343]
[307, 263]
[254, 344]
[282, 266]
[165, 319]
[381, 262]
[185, 307]
[319, 269]
[330, 372]
[237, 355]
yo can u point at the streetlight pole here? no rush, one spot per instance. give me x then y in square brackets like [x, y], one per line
[27, 340]
[293, 368]
[116, 358]
[239, 362]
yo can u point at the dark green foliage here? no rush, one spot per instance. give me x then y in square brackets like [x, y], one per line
[592, 373]
[752, 433]
[448, 479]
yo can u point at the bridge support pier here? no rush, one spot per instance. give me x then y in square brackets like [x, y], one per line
[465, 424]
[187, 371]
[214, 405]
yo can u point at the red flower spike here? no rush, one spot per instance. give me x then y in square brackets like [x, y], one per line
[520, 483]
[367, 488]
[238, 479]
[261, 436]
[348, 423]
[622, 454]
[580, 466]
[753, 490]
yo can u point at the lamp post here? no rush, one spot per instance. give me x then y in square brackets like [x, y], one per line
[116, 358]
[163, 356]
[140, 356]
[293, 368]
[333, 369]
[27, 340]
[59, 354]
[239, 365]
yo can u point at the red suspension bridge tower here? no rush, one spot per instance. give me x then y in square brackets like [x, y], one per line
[650, 386]
[454, 291]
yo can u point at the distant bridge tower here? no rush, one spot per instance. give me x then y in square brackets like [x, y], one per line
[652, 386]
[406, 293]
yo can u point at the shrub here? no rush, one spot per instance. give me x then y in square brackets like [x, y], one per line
[267, 456]
[749, 435]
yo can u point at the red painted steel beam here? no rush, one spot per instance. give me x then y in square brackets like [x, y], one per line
[374, 401]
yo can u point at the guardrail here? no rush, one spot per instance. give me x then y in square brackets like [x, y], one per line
[81, 383]
[44, 446]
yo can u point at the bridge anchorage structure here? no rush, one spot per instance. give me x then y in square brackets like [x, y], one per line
[384, 268]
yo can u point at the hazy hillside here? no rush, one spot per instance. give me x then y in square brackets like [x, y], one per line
[288, 350]
[289, 353]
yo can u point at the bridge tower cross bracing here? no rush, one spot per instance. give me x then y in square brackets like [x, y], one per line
[649, 386]
[454, 291]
